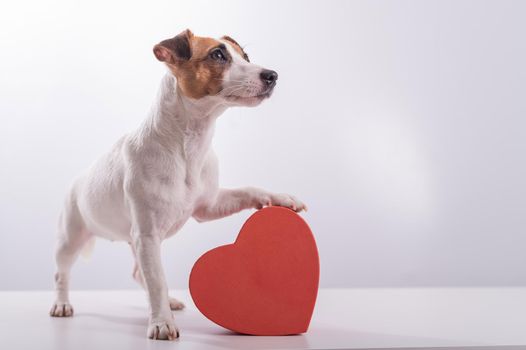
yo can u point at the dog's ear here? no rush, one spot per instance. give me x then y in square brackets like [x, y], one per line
[176, 49]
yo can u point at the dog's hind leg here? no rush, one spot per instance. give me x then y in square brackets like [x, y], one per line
[175, 304]
[72, 236]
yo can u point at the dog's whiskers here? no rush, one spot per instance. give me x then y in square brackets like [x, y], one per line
[232, 89]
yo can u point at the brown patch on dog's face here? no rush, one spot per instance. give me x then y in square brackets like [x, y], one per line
[236, 47]
[198, 63]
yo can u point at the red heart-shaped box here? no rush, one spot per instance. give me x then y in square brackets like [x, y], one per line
[266, 282]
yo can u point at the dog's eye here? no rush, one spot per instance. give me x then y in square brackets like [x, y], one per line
[218, 55]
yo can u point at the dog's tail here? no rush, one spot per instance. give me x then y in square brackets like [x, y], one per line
[87, 250]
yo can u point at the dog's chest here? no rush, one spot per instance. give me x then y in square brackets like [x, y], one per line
[181, 207]
[170, 181]
[177, 193]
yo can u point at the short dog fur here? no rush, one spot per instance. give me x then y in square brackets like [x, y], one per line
[154, 179]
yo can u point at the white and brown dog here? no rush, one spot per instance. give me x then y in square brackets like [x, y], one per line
[154, 179]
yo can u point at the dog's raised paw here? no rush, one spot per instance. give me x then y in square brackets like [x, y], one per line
[176, 304]
[61, 309]
[163, 331]
[281, 200]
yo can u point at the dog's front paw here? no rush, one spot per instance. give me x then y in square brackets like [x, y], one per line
[163, 330]
[61, 309]
[279, 199]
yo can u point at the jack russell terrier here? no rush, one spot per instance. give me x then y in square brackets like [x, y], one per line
[154, 179]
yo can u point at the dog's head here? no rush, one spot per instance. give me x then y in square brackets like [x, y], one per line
[217, 68]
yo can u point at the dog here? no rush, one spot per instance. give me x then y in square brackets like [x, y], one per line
[157, 177]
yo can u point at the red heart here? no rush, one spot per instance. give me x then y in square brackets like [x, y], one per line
[266, 282]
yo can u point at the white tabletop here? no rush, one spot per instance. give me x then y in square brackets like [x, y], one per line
[343, 318]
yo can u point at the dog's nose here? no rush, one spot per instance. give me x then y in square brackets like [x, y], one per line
[269, 77]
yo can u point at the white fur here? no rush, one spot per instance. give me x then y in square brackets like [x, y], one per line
[151, 182]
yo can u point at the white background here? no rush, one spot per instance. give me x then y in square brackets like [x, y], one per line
[400, 123]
